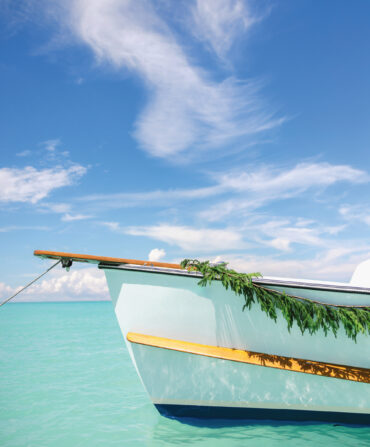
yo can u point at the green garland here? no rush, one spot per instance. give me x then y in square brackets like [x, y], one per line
[309, 315]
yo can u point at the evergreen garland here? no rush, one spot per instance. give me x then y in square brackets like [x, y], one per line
[309, 315]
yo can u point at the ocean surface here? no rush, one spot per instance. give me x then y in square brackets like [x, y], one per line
[66, 380]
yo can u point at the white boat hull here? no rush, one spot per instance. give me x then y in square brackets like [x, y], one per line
[188, 385]
[184, 384]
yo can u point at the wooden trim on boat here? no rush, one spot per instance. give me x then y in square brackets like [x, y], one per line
[98, 259]
[345, 372]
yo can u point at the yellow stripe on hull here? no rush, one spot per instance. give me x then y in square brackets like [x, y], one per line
[256, 358]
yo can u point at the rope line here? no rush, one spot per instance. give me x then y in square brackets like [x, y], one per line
[30, 283]
[311, 301]
[304, 299]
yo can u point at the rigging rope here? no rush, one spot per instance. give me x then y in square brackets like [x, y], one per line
[351, 306]
[30, 283]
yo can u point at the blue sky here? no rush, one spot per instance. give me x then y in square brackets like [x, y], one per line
[226, 129]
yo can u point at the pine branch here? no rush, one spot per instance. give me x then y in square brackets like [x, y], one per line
[309, 315]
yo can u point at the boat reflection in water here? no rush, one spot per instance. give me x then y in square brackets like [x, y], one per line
[199, 355]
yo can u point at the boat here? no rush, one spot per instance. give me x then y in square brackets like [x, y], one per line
[199, 355]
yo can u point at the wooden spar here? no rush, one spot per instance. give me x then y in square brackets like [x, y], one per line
[103, 259]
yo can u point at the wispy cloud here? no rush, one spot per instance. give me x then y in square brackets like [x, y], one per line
[267, 183]
[333, 260]
[66, 210]
[59, 208]
[54, 151]
[51, 145]
[249, 188]
[353, 213]
[31, 185]
[149, 198]
[23, 227]
[301, 177]
[73, 217]
[258, 232]
[282, 233]
[219, 22]
[25, 153]
[188, 111]
[334, 264]
[189, 239]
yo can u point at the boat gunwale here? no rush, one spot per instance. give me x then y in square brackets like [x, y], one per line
[264, 281]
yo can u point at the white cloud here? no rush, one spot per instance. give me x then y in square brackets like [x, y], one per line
[72, 217]
[280, 243]
[266, 184]
[51, 145]
[283, 234]
[336, 264]
[65, 209]
[187, 110]
[185, 237]
[276, 233]
[249, 188]
[156, 254]
[299, 178]
[59, 208]
[31, 185]
[77, 284]
[113, 226]
[360, 213]
[22, 228]
[335, 229]
[219, 22]
[6, 291]
[25, 153]
[151, 198]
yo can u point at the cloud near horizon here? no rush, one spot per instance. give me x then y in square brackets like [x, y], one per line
[79, 284]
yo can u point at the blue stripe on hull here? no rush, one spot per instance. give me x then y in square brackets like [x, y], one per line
[235, 413]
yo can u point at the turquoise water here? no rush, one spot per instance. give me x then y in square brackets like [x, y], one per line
[66, 380]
